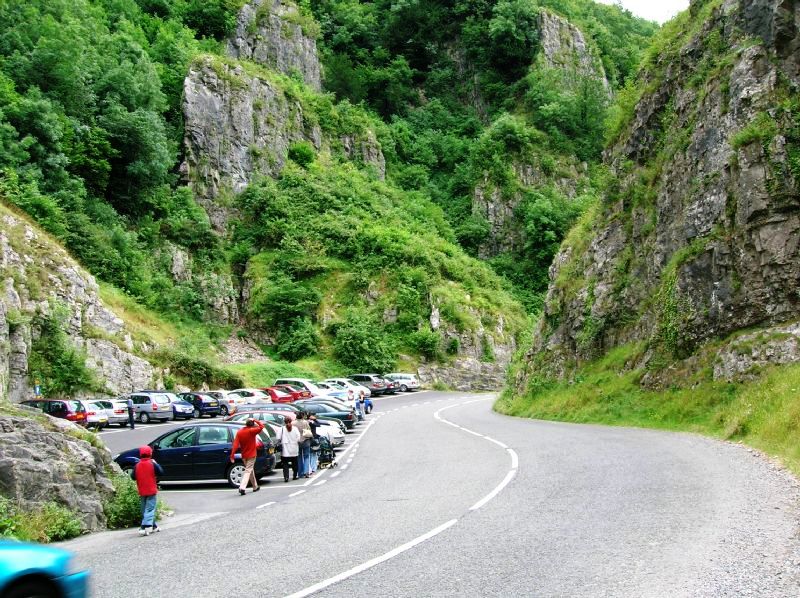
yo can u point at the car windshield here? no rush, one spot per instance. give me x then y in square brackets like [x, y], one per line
[75, 406]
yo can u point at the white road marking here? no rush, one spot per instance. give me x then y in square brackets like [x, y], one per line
[509, 476]
[266, 504]
[319, 483]
[343, 467]
[335, 473]
[296, 493]
[372, 562]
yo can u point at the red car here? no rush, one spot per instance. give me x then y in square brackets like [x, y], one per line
[279, 395]
[297, 393]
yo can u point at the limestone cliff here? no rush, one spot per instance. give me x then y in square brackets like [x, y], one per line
[37, 274]
[240, 123]
[702, 236]
[563, 46]
[276, 34]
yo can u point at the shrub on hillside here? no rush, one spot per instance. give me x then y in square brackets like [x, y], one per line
[426, 342]
[361, 345]
[302, 153]
[298, 341]
[124, 509]
[50, 523]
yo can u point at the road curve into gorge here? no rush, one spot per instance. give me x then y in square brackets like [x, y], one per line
[440, 496]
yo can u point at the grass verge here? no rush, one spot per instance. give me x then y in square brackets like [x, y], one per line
[763, 413]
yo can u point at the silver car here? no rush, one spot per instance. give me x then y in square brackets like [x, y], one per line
[151, 405]
[116, 411]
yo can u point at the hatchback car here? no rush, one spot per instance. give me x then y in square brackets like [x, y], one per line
[68, 409]
[350, 385]
[406, 381]
[348, 418]
[372, 381]
[279, 395]
[201, 451]
[228, 403]
[151, 405]
[296, 392]
[203, 404]
[116, 411]
[96, 416]
[36, 570]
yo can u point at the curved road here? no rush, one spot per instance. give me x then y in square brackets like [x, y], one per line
[439, 496]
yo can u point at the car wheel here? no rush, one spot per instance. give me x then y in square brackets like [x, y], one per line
[196, 413]
[144, 418]
[223, 410]
[235, 474]
[33, 588]
[404, 388]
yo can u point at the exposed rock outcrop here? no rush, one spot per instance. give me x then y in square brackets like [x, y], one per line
[703, 237]
[271, 32]
[41, 464]
[240, 124]
[564, 47]
[37, 274]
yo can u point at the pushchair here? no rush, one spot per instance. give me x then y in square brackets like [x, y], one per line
[327, 458]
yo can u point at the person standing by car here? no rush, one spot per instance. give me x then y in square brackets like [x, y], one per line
[312, 422]
[146, 475]
[359, 405]
[304, 458]
[245, 442]
[130, 412]
[290, 448]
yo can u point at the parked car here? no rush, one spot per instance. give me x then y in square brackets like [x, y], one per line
[34, 570]
[260, 415]
[201, 451]
[406, 381]
[228, 403]
[151, 405]
[392, 386]
[348, 417]
[251, 395]
[279, 395]
[109, 411]
[296, 391]
[351, 385]
[120, 409]
[69, 409]
[333, 390]
[303, 383]
[375, 383]
[202, 404]
[180, 409]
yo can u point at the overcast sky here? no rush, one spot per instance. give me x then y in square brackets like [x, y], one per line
[658, 10]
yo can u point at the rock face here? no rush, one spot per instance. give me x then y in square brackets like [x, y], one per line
[482, 360]
[703, 236]
[564, 47]
[35, 274]
[40, 465]
[271, 32]
[240, 124]
[499, 209]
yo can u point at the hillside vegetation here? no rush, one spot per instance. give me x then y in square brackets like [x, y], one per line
[324, 253]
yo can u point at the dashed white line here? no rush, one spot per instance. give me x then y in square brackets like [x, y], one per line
[266, 504]
[343, 467]
[296, 493]
[372, 562]
[335, 473]
[319, 483]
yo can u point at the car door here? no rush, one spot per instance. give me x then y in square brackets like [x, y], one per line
[173, 453]
[212, 453]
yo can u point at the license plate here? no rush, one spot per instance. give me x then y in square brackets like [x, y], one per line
[214, 404]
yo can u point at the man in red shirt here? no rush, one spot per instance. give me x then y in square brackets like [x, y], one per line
[245, 442]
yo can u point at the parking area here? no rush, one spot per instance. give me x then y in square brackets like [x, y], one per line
[202, 498]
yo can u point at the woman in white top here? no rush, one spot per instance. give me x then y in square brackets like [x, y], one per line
[290, 448]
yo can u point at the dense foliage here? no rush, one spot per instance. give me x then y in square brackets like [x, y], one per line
[90, 146]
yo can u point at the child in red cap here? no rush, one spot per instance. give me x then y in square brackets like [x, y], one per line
[145, 473]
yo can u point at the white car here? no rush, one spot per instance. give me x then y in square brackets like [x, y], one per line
[406, 381]
[95, 415]
[251, 395]
[351, 385]
[308, 385]
[332, 432]
[228, 403]
[116, 411]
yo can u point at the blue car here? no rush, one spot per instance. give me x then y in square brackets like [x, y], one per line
[202, 452]
[35, 570]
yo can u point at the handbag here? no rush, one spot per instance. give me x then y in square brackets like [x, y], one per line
[307, 434]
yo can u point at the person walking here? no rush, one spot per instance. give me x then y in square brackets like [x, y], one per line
[359, 407]
[146, 475]
[245, 443]
[130, 413]
[290, 447]
[304, 458]
[314, 461]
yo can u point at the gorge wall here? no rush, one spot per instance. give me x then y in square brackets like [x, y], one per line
[701, 237]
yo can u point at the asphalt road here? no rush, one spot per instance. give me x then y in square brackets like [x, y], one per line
[439, 496]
